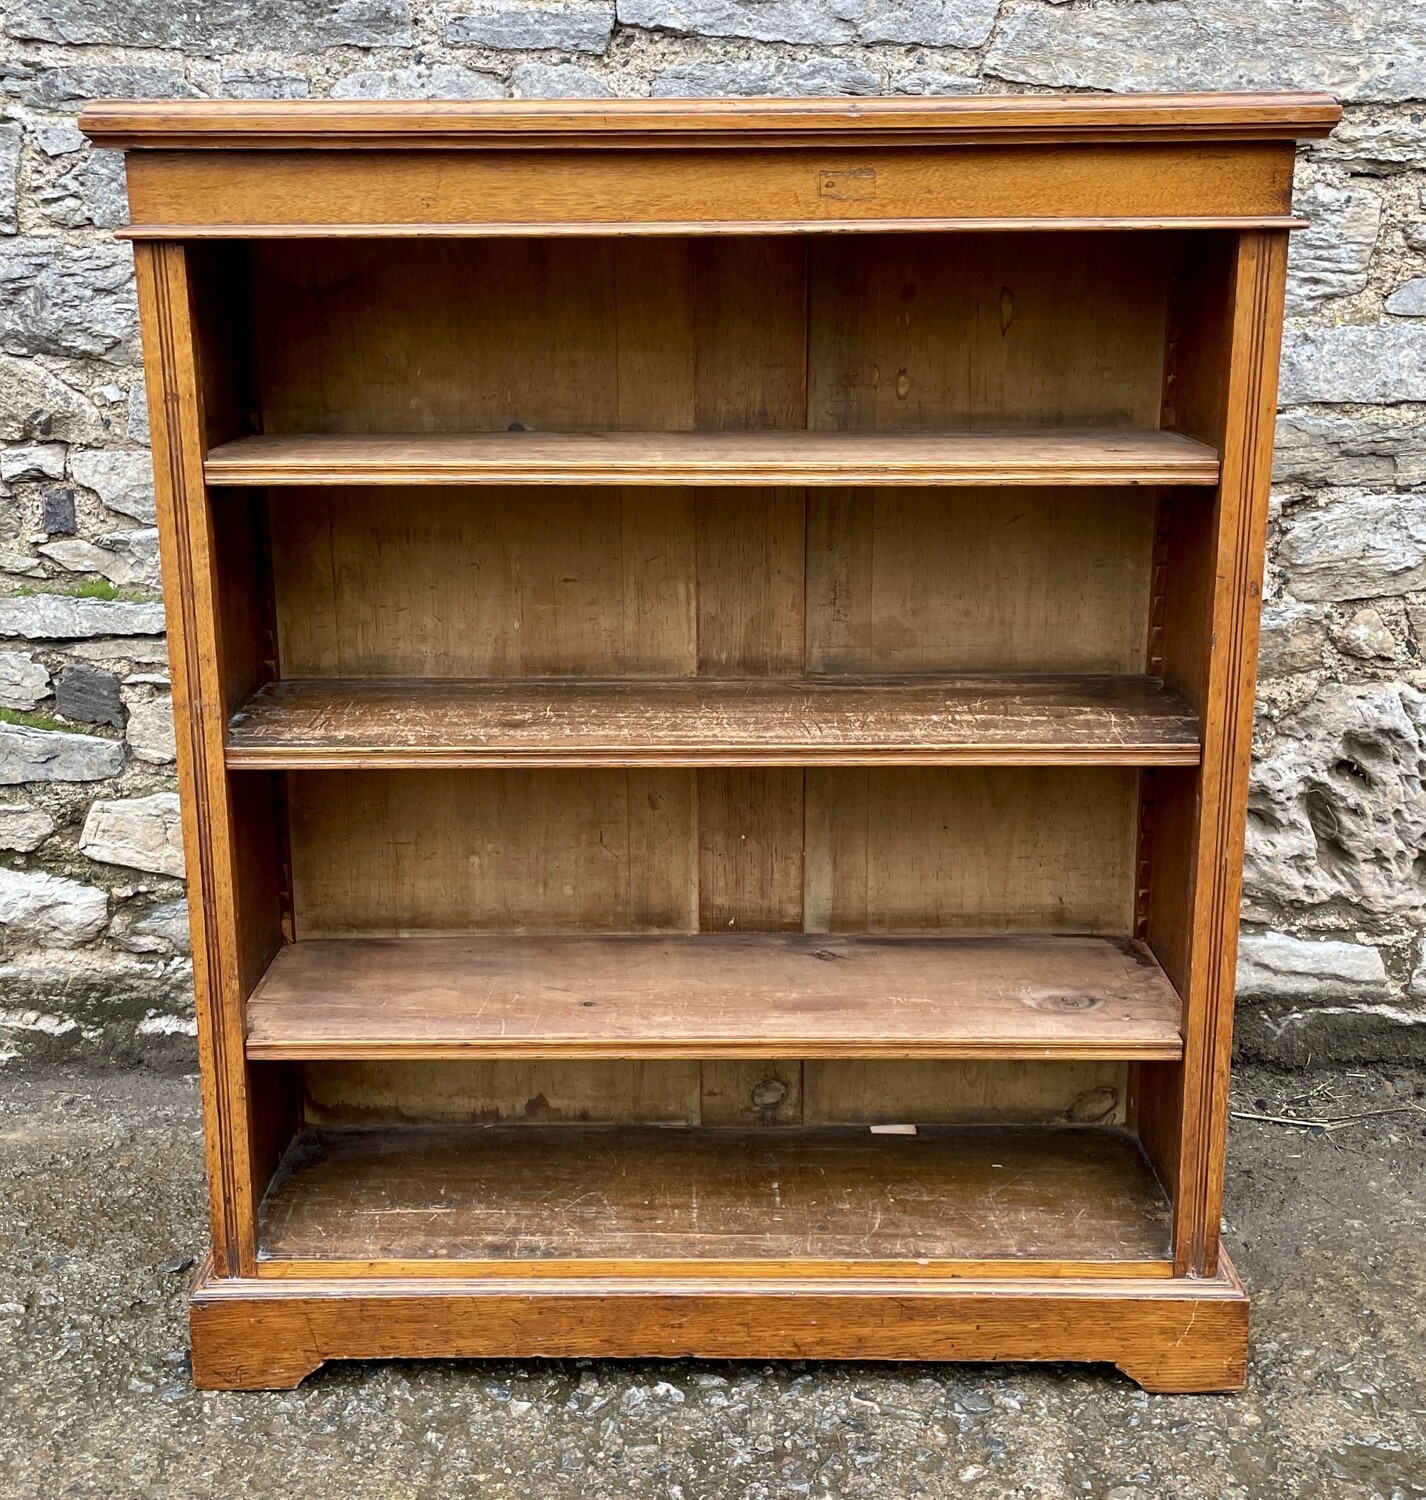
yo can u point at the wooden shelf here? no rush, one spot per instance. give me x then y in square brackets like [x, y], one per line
[715, 995]
[1039, 456]
[969, 720]
[528, 1194]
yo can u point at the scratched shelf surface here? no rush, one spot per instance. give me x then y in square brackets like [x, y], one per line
[624, 1193]
[1047, 720]
[715, 995]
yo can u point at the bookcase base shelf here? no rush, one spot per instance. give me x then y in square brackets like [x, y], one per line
[1169, 1335]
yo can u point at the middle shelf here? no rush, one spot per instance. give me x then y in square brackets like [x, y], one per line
[728, 995]
[1013, 456]
[1068, 719]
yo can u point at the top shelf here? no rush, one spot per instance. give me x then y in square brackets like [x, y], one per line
[1038, 456]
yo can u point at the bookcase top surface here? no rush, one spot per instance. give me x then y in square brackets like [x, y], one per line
[679, 123]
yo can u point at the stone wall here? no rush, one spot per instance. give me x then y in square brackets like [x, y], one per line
[93, 940]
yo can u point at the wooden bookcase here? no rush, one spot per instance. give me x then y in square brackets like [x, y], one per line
[706, 636]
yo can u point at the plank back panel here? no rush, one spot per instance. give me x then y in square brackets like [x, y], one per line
[1009, 849]
[672, 582]
[890, 332]
[434, 583]
[862, 1092]
[732, 1093]
[978, 580]
[916, 332]
[484, 1093]
[378, 853]
[571, 335]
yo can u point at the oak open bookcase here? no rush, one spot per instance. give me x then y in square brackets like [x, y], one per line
[713, 647]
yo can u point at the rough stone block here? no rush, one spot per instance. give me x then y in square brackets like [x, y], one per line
[23, 681]
[1278, 966]
[1338, 449]
[70, 300]
[140, 833]
[123, 481]
[1366, 637]
[263, 83]
[1293, 636]
[1370, 364]
[161, 929]
[34, 403]
[931, 23]
[933, 82]
[58, 617]
[1330, 257]
[215, 26]
[553, 25]
[1369, 50]
[40, 461]
[88, 695]
[70, 88]
[57, 515]
[1361, 548]
[9, 176]
[91, 192]
[28, 755]
[150, 731]
[810, 78]
[59, 139]
[535, 80]
[39, 908]
[421, 82]
[24, 829]
[122, 652]
[1337, 810]
[136, 428]
[1409, 299]
[128, 559]
[1375, 144]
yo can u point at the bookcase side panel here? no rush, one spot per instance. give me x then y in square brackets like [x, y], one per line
[236, 923]
[1226, 393]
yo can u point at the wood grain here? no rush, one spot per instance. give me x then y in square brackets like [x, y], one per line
[1045, 457]
[918, 334]
[630, 1192]
[723, 995]
[758, 721]
[648, 123]
[387, 853]
[1167, 1335]
[648, 583]
[925, 581]
[608, 193]
[476, 1090]
[1017, 849]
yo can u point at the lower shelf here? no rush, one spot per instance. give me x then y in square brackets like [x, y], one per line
[770, 994]
[531, 1194]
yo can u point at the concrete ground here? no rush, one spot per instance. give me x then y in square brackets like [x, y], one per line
[102, 1217]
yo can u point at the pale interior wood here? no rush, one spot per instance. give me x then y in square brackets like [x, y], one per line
[766, 995]
[655, 585]
[624, 1193]
[1017, 850]
[367, 723]
[889, 332]
[768, 1091]
[1028, 456]
[643, 583]
[386, 853]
